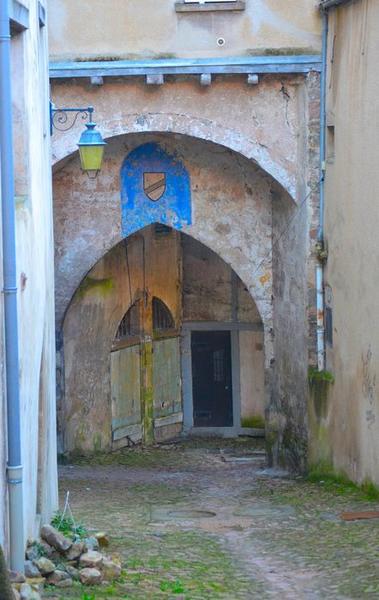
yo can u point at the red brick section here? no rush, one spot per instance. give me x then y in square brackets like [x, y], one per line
[360, 516]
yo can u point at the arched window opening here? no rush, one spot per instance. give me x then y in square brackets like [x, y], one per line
[130, 325]
[162, 317]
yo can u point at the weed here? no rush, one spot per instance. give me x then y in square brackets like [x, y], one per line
[176, 587]
[68, 527]
[340, 484]
[315, 376]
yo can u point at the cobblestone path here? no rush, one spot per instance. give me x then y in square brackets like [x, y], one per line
[206, 520]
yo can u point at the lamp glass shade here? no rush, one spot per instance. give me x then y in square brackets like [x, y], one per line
[91, 149]
[91, 157]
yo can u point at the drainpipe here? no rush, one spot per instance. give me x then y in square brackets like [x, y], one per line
[332, 3]
[14, 467]
[320, 236]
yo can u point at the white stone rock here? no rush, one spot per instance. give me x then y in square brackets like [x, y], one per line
[90, 576]
[45, 565]
[91, 559]
[75, 551]
[31, 570]
[57, 577]
[111, 570]
[25, 591]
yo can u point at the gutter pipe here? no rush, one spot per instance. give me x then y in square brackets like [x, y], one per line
[14, 466]
[332, 3]
[320, 236]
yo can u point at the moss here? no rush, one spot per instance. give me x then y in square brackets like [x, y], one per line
[129, 57]
[295, 51]
[255, 422]
[147, 400]
[163, 55]
[337, 481]
[100, 286]
[97, 442]
[293, 450]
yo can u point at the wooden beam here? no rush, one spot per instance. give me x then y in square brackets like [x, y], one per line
[225, 66]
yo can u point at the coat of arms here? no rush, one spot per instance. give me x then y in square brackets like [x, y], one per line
[154, 185]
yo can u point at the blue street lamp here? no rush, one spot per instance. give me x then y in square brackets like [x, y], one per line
[91, 143]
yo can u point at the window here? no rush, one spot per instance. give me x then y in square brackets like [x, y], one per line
[205, 1]
[162, 317]
[209, 5]
[130, 323]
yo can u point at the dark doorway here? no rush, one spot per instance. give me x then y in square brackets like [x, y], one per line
[212, 379]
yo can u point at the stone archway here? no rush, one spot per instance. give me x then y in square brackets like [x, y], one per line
[88, 215]
[238, 210]
[137, 383]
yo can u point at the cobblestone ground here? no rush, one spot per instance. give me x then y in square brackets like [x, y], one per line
[206, 520]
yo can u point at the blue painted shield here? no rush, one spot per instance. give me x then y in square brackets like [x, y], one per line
[155, 188]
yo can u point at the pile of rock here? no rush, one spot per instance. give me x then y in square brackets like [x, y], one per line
[59, 561]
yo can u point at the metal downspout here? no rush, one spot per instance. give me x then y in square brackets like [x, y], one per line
[326, 4]
[320, 236]
[14, 467]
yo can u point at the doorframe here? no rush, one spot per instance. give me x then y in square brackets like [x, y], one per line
[186, 365]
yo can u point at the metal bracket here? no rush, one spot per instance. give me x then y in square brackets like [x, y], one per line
[59, 117]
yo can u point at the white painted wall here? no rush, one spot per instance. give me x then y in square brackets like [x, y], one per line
[35, 250]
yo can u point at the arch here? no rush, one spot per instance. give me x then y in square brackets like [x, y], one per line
[262, 303]
[162, 317]
[203, 129]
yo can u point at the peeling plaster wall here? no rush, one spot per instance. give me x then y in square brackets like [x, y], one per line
[345, 418]
[88, 219]
[273, 129]
[35, 280]
[261, 122]
[208, 287]
[287, 432]
[147, 28]
[294, 236]
[231, 213]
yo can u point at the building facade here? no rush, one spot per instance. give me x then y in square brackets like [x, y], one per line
[345, 420]
[206, 206]
[34, 276]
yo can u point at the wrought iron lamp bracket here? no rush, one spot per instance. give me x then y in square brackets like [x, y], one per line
[60, 117]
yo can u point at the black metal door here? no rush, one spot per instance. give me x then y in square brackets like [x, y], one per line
[212, 379]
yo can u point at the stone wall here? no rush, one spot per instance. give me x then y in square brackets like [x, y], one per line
[221, 184]
[252, 160]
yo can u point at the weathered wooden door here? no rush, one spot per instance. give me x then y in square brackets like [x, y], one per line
[167, 382]
[126, 394]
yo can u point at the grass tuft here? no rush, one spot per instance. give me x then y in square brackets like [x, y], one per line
[339, 483]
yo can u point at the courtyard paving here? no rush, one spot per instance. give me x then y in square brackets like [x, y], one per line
[205, 519]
